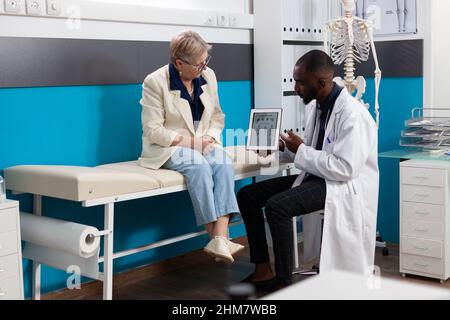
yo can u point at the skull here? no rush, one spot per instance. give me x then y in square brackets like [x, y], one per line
[349, 5]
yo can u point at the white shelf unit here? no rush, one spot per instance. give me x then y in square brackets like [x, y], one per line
[425, 218]
[284, 31]
[11, 275]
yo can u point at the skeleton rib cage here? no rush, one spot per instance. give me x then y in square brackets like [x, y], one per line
[348, 40]
[342, 49]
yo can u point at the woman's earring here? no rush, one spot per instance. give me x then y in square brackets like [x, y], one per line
[181, 73]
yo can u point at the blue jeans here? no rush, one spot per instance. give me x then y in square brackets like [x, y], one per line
[209, 180]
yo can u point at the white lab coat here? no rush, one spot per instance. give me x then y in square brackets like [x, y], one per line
[349, 165]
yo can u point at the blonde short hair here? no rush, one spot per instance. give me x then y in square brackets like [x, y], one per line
[188, 46]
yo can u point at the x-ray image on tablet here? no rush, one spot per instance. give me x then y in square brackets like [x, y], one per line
[264, 129]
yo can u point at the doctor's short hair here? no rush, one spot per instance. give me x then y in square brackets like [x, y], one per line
[316, 61]
[188, 46]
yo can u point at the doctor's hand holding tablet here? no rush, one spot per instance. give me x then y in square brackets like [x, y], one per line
[288, 140]
[291, 141]
[264, 135]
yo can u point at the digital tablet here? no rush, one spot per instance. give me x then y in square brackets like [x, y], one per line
[264, 129]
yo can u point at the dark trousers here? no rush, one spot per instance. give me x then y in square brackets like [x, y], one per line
[281, 204]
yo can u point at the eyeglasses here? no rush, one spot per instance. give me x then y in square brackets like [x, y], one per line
[201, 66]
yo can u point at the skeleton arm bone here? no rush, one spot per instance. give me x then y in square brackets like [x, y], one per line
[377, 74]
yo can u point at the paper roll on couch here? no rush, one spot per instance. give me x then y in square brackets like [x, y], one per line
[61, 244]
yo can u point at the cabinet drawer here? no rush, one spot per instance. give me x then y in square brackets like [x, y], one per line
[423, 229]
[10, 289]
[423, 211]
[8, 220]
[8, 243]
[423, 194]
[423, 176]
[9, 266]
[421, 247]
[422, 264]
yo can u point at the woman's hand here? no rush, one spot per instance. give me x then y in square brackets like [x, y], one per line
[203, 145]
[178, 141]
[209, 138]
[207, 144]
[185, 141]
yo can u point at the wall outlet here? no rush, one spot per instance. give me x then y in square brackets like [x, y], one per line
[211, 19]
[54, 7]
[234, 20]
[35, 7]
[222, 19]
[13, 6]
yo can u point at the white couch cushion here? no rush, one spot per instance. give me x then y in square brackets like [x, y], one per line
[166, 178]
[86, 183]
[75, 183]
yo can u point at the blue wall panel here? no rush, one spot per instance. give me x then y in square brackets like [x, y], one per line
[93, 125]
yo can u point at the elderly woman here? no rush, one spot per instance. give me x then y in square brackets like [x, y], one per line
[182, 123]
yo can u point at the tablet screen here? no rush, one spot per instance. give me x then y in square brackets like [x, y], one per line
[264, 129]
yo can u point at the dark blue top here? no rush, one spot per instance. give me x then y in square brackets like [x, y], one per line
[326, 109]
[195, 104]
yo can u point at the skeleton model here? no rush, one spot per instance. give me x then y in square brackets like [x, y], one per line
[348, 40]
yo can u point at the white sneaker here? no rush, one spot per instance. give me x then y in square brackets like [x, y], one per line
[218, 247]
[234, 248]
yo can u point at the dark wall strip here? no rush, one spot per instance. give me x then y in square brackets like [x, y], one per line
[396, 59]
[319, 45]
[37, 62]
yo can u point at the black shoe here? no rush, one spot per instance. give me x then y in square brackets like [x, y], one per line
[261, 285]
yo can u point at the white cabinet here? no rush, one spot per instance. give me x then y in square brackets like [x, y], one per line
[302, 19]
[425, 218]
[284, 30]
[11, 278]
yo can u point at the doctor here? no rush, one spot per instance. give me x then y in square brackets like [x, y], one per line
[338, 172]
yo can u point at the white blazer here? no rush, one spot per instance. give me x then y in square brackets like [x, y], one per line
[165, 114]
[349, 165]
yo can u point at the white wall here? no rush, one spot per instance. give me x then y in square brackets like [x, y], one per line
[142, 20]
[240, 6]
[437, 53]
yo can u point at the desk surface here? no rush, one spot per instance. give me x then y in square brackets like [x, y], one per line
[347, 286]
[414, 155]
[8, 204]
